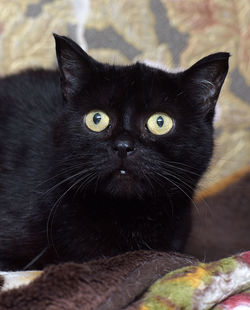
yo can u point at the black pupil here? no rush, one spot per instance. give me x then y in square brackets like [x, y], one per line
[97, 118]
[160, 121]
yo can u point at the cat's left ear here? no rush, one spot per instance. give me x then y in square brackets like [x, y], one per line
[205, 78]
[75, 65]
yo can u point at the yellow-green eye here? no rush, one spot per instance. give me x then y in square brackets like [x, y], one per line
[160, 123]
[97, 120]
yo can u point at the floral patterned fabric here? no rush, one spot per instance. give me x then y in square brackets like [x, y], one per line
[239, 301]
[175, 33]
[219, 285]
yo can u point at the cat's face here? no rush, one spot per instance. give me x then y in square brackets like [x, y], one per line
[136, 131]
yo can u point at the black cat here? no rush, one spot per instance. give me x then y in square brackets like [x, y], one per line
[104, 163]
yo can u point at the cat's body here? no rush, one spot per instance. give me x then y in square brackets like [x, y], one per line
[76, 194]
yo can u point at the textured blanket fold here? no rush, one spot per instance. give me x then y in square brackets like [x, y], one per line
[133, 281]
[104, 284]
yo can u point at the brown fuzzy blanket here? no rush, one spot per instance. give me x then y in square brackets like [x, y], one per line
[106, 284]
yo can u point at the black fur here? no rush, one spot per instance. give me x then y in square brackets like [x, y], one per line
[61, 193]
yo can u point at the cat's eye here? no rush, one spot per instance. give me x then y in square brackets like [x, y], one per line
[97, 120]
[160, 123]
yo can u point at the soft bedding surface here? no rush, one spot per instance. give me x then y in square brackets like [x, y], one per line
[142, 280]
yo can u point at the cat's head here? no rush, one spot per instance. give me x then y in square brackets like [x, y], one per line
[136, 131]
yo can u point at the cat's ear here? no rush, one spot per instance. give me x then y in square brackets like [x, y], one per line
[75, 65]
[205, 78]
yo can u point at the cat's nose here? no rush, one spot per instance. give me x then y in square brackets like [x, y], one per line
[123, 147]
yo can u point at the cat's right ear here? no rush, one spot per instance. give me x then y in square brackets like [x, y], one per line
[203, 81]
[75, 65]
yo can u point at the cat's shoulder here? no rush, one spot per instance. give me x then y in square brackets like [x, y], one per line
[32, 87]
[29, 78]
[29, 97]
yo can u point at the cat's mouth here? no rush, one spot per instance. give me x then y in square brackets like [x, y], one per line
[122, 174]
[121, 183]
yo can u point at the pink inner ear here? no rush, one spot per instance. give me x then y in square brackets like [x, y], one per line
[67, 74]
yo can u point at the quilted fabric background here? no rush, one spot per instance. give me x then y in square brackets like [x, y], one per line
[175, 33]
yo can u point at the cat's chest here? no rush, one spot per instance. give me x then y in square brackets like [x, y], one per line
[90, 234]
